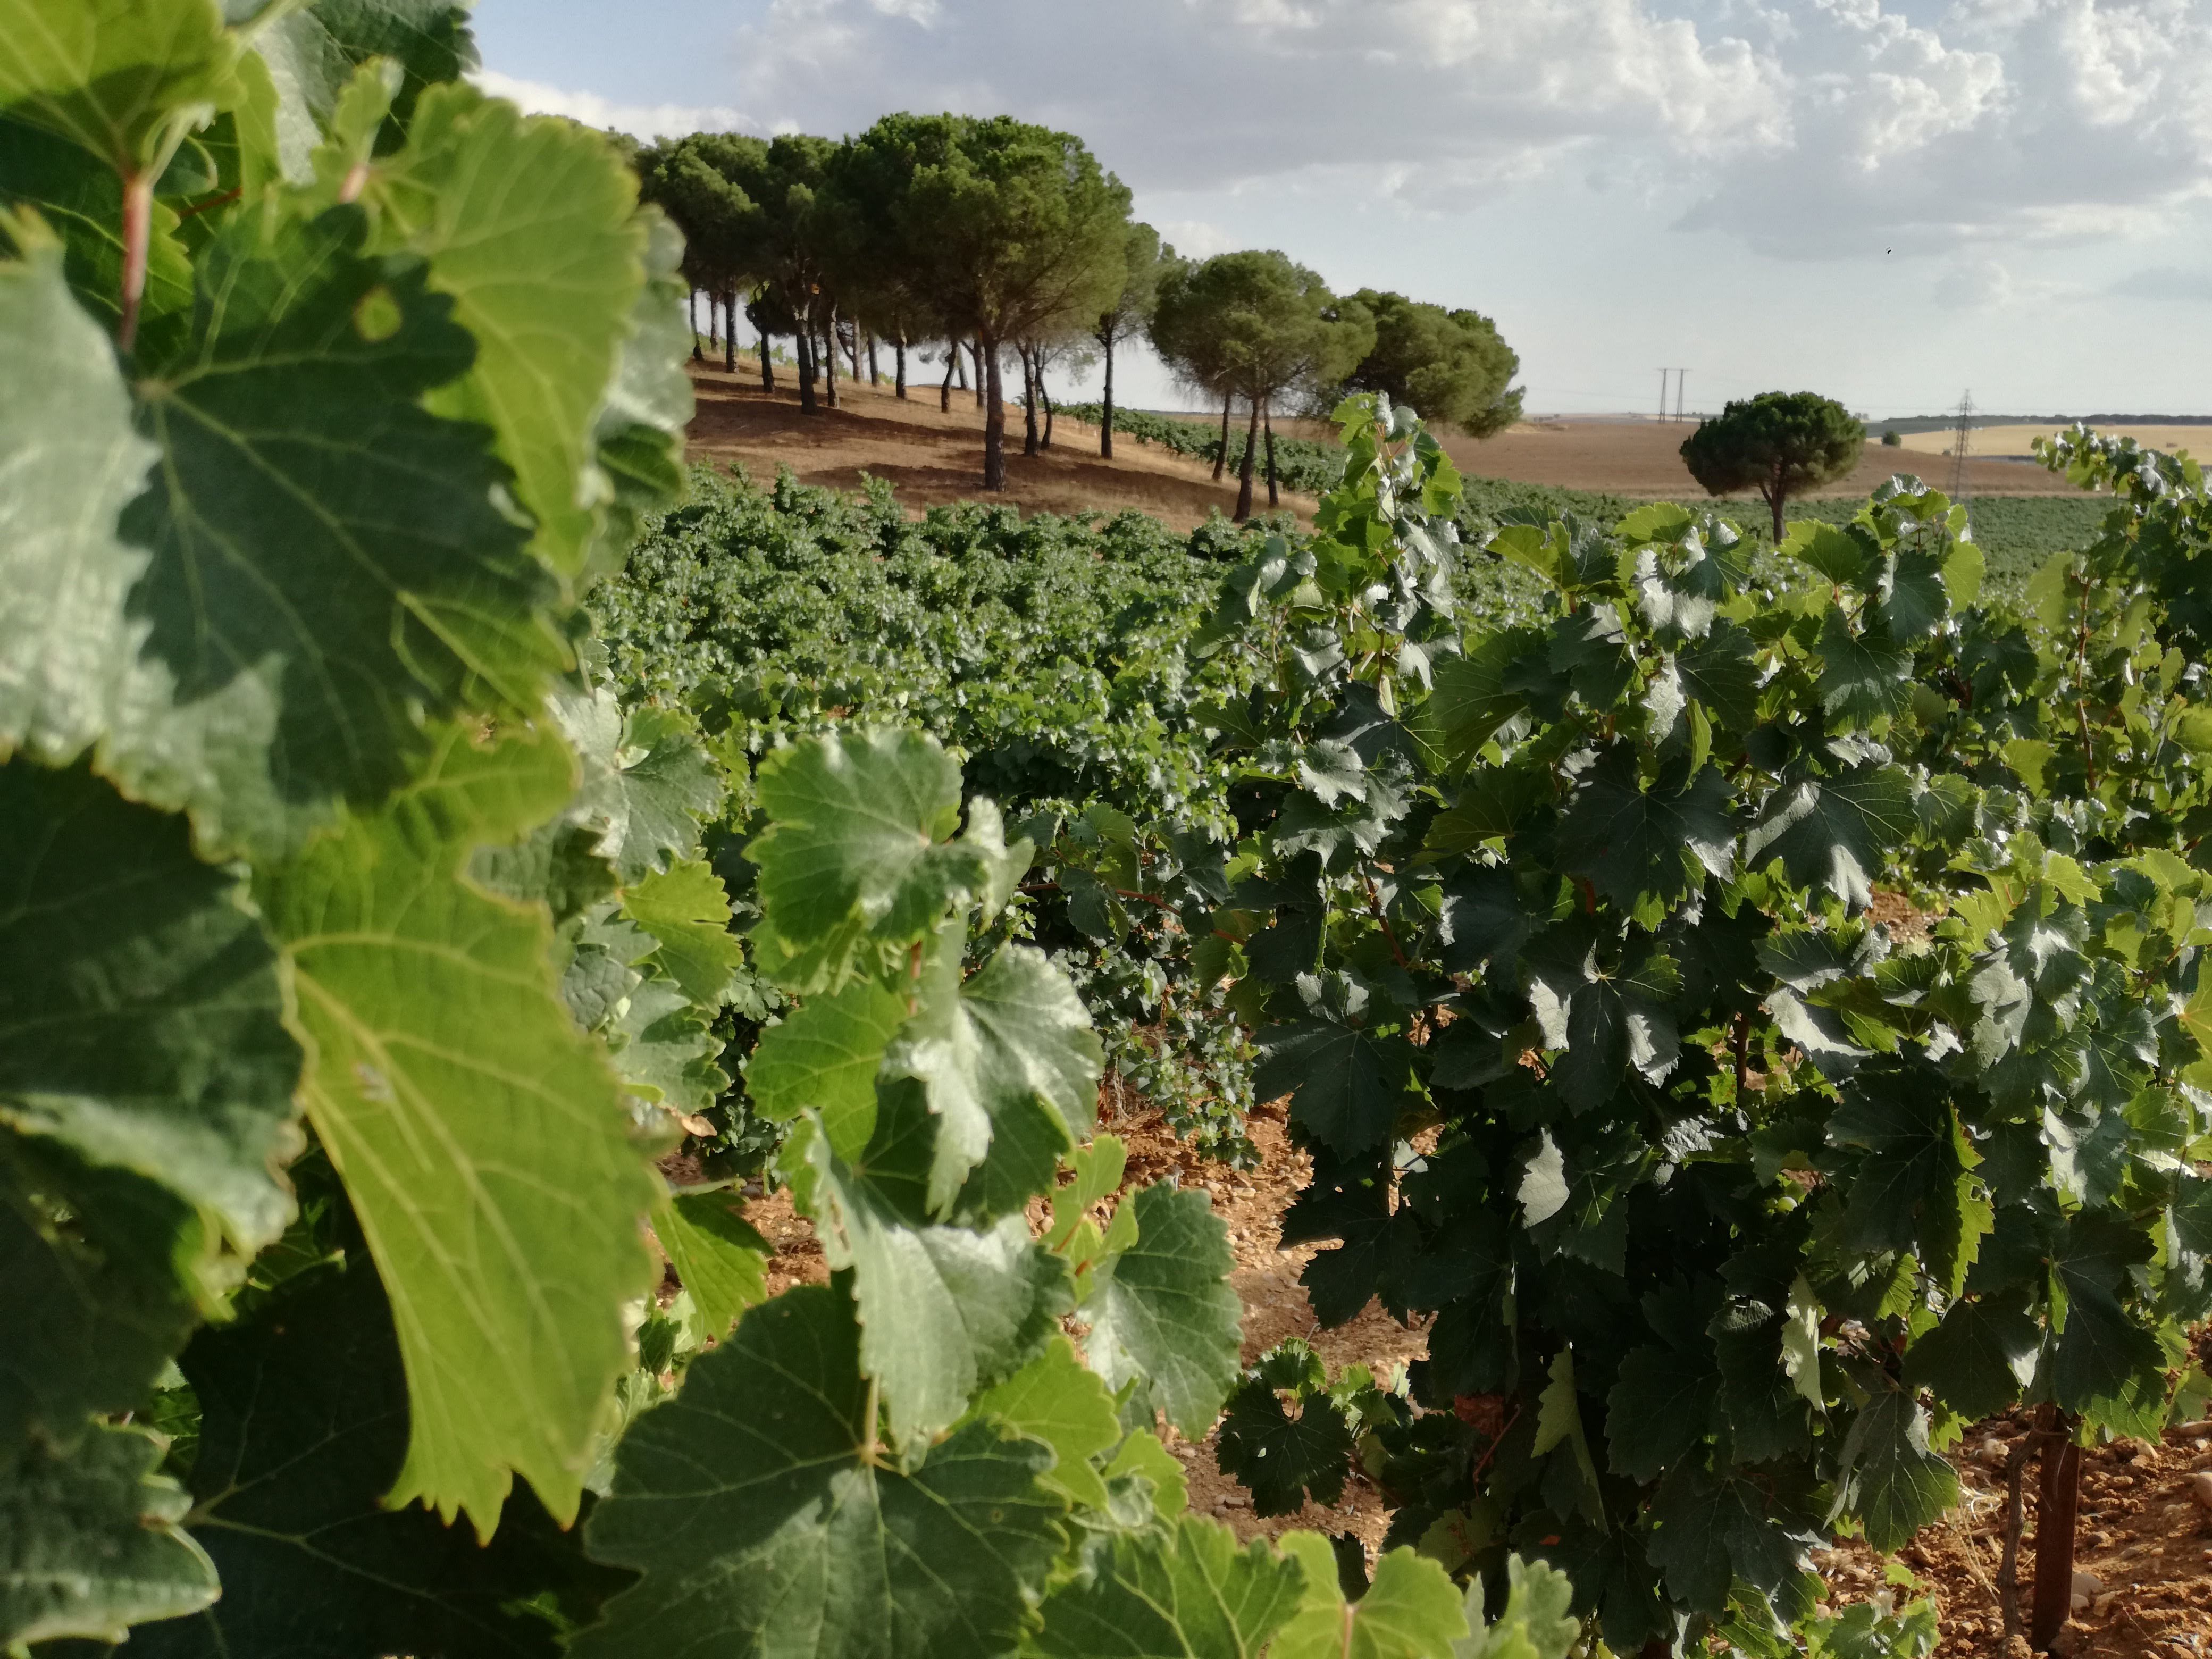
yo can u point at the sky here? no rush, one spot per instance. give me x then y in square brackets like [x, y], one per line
[1892, 202]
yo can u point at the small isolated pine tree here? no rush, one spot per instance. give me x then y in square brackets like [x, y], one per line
[1780, 443]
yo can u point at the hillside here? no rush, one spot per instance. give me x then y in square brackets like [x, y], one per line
[934, 458]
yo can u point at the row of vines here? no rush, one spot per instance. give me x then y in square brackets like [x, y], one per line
[1749, 1008]
[365, 955]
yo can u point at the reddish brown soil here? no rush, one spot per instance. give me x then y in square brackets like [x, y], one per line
[935, 459]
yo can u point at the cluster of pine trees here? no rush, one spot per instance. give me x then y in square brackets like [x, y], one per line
[991, 244]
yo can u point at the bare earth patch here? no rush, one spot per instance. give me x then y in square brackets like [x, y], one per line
[935, 459]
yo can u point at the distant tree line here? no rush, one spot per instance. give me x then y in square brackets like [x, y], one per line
[990, 245]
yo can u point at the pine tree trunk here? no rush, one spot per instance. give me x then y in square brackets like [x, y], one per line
[959, 361]
[1221, 460]
[712, 299]
[730, 332]
[1029, 402]
[1245, 472]
[994, 415]
[768, 363]
[945, 392]
[875, 375]
[698, 355]
[898, 358]
[829, 364]
[1267, 420]
[805, 341]
[1106, 407]
[1044, 397]
[994, 385]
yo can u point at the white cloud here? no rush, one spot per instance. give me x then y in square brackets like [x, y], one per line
[2166, 283]
[1825, 128]
[2008, 121]
[638, 120]
[1196, 238]
[1185, 94]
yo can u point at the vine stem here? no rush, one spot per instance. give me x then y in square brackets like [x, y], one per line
[2057, 1501]
[871, 1448]
[1374, 908]
[1742, 1054]
[2016, 1473]
[138, 239]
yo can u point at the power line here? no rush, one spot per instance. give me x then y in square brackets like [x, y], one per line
[1662, 396]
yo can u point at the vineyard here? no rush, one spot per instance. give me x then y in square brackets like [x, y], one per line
[1740, 1005]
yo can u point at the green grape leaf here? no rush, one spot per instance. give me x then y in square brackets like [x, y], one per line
[1843, 557]
[860, 833]
[1713, 1529]
[1142, 1454]
[1913, 600]
[555, 864]
[640, 429]
[1162, 1312]
[1890, 1482]
[304, 1425]
[482, 191]
[1607, 1022]
[1189, 1593]
[1863, 676]
[141, 1021]
[1914, 1189]
[74, 461]
[663, 1049]
[329, 560]
[1347, 1085]
[1280, 1458]
[647, 786]
[1834, 832]
[312, 51]
[994, 1049]
[1661, 1406]
[1410, 1611]
[1055, 1400]
[117, 76]
[2102, 1363]
[478, 1134]
[103, 1274]
[686, 909]
[1559, 1422]
[766, 1521]
[717, 1254]
[943, 1311]
[824, 1056]
[1536, 1622]
[90, 1538]
[1978, 1360]
[1647, 850]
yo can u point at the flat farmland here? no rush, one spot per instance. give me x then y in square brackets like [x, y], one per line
[1644, 458]
[2018, 442]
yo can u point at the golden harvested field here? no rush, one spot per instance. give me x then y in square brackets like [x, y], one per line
[2000, 440]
